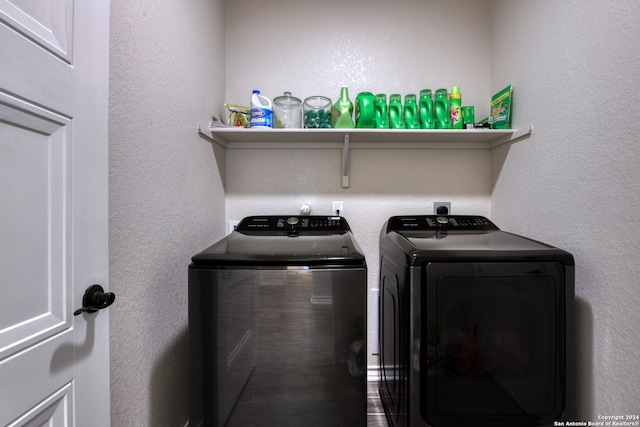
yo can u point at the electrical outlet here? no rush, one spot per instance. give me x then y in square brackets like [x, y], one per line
[442, 208]
[337, 208]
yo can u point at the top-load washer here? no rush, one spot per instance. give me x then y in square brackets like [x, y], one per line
[277, 325]
[475, 325]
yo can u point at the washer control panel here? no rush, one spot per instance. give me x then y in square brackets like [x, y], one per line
[278, 224]
[440, 222]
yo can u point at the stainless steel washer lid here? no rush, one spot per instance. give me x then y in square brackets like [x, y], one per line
[433, 237]
[285, 240]
[475, 241]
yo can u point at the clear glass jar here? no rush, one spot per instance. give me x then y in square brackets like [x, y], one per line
[317, 112]
[288, 111]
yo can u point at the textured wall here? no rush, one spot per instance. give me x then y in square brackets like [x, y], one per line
[402, 47]
[166, 195]
[574, 183]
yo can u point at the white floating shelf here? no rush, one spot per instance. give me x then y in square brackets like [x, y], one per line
[348, 139]
[364, 138]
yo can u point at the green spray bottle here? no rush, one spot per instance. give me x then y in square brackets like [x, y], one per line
[442, 112]
[425, 107]
[456, 108]
[342, 111]
[411, 120]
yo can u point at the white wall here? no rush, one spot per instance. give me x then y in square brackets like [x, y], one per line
[166, 195]
[312, 48]
[400, 46]
[574, 183]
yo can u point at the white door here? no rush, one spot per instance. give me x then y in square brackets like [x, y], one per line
[54, 366]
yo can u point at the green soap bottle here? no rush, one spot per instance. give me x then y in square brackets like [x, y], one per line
[382, 116]
[396, 120]
[365, 110]
[411, 120]
[456, 108]
[342, 111]
[425, 107]
[442, 111]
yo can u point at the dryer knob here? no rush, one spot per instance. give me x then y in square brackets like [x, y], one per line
[442, 220]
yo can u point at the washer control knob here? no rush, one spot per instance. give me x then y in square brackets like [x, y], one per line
[292, 220]
[442, 220]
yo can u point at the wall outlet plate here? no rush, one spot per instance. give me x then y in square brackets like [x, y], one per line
[337, 208]
[438, 208]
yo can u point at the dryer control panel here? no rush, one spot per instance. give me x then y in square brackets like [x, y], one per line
[440, 222]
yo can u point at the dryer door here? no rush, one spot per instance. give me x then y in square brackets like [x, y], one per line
[497, 345]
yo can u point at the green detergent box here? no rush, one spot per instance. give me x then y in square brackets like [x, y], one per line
[500, 117]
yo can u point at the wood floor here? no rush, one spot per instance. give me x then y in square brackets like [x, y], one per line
[375, 413]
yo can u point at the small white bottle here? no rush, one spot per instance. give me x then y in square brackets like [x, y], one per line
[261, 110]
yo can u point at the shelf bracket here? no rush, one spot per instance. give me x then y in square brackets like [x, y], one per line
[209, 136]
[517, 135]
[345, 162]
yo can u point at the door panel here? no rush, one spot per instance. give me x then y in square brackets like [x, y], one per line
[35, 376]
[47, 22]
[28, 72]
[53, 411]
[34, 184]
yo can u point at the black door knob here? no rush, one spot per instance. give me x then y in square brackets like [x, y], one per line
[94, 299]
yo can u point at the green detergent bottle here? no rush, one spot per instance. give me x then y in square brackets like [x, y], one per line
[342, 111]
[365, 110]
[456, 108]
[442, 112]
[396, 120]
[382, 116]
[411, 120]
[425, 107]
